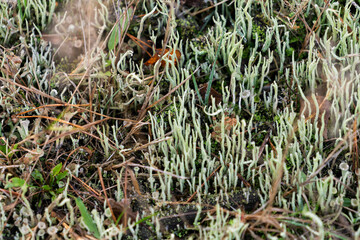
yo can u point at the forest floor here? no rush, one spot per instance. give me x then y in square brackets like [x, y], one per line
[179, 119]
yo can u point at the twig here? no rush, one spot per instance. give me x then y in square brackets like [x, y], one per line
[202, 185]
[106, 197]
[157, 170]
[172, 90]
[208, 8]
[34, 90]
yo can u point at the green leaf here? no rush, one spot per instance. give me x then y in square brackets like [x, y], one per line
[19, 5]
[213, 71]
[61, 175]
[197, 89]
[87, 218]
[119, 217]
[15, 182]
[108, 63]
[122, 23]
[60, 190]
[4, 149]
[37, 175]
[52, 193]
[14, 148]
[108, 74]
[145, 218]
[347, 202]
[114, 38]
[56, 169]
[46, 187]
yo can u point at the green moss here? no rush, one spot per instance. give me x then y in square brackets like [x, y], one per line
[259, 31]
[187, 27]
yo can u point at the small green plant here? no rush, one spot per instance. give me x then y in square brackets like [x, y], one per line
[116, 31]
[7, 150]
[89, 222]
[22, 6]
[17, 182]
[207, 95]
[53, 184]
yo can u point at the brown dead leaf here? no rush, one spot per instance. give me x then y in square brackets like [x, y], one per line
[134, 181]
[229, 123]
[157, 56]
[213, 93]
[10, 206]
[122, 208]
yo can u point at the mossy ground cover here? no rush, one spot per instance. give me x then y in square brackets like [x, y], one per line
[179, 119]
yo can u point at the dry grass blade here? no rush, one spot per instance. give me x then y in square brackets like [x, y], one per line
[316, 25]
[208, 8]
[172, 90]
[122, 134]
[106, 197]
[52, 105]
[279, 170]
[55, 120]
[134, 181]
[157, 170]
[86, 126]
[33, 90]
[125, 153]
[333, 155]
[202, 185]
[87, 186]
[355, 154]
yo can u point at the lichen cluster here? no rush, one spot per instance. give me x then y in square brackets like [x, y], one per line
[274, 154]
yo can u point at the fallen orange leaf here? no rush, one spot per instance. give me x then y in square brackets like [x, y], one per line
[157, 55]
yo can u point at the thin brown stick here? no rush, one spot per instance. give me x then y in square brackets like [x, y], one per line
[172, 90]
[106, 197]
[355, 155]
[158, 170]
[34, 90]
[208, 8]
[139, 42]
[87, 186]
[125, 198]
[78, 130]
[202, 185]
[51, 105]
[146, 145]
[56, 120]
